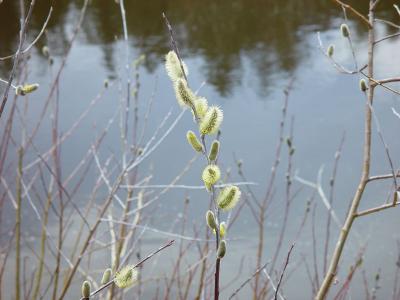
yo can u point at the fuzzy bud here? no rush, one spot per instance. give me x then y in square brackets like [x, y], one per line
[106, 276]
[193, 141]
[201, 106]
[86, 289]
[345, 30]
[210, 218]
[45, 51]
[211, 121]
[221, 249]
[184, 94]
[126, 277]
[331, 50]
[228, 197]
[289, 142]
[173, 66]
[214, 151]
[211, 175]
[363, 85]
[22, 90]
[222, 229]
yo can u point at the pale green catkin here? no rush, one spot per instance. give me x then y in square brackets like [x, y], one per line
[363, 85]
[86, 289]
[211, 175]
[193, 141]
[211, 121]
[106, 276]
[228, 197]
[221, 249]
[214, 151]
[22, 90]
[222, 229]
[184, 94]
[173, 66]
[331, 50]
[201, 105]
[345, 30]
[210, 218]
[126, 277]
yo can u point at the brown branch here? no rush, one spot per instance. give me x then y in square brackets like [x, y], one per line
[248, 280]
[380, 177]
[22, 35]
[355, 12]
[283, 272]
[387, 80]
[135, 266]
[376, 209]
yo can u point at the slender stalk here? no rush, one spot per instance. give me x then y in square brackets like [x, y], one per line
[39, 273]
[18, 224]
[352, 213]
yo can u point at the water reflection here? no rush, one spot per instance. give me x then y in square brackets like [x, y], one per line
[270, 34]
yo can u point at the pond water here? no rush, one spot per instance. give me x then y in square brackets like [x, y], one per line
[242, 54]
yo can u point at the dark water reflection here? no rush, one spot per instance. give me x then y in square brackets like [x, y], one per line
[246, 50]
[270, 34]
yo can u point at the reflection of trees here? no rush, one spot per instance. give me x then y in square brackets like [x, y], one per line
[268, 33]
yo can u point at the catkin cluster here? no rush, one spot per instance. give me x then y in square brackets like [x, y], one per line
[208, 118]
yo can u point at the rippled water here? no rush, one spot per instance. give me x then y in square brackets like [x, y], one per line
[245, 52]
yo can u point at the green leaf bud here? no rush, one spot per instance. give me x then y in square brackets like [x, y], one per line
[173, 66]
[345, 30]
[363, 85]
[210, 218]
[22, 90]
[211, 121]
[228, 197]
[126, 277]
[106, 276]
[331, 50]
[211, 175]
[221, 249]
[86, 289]
[214, 151]
[193, 141]
[184, 94]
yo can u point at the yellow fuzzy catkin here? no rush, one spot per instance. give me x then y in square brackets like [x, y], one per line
[228, 197]
[210, 218]
[211, 175]
[193, 141]
[211, 121]
[86, 289]
[106, 276]
[126, 277]
[221, 249]
[184, 94]
[173, 66]
[222, 229]
[22, 90]
[201, 106]
[214, 151]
